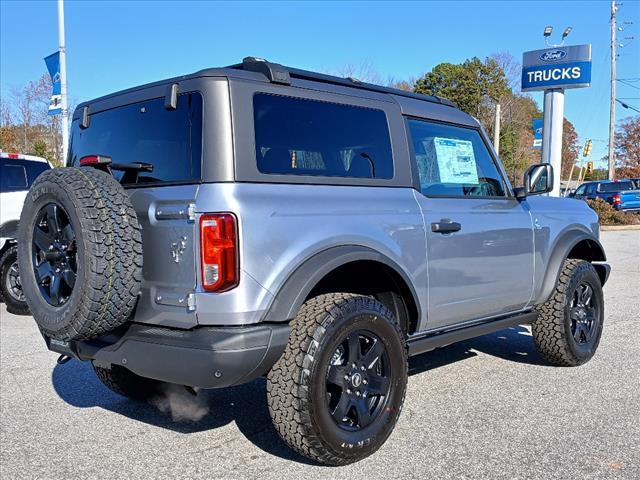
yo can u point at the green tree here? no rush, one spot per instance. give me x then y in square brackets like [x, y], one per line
[40, 149]
[467, 84]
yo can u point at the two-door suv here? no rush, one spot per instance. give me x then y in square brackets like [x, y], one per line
[261, 220]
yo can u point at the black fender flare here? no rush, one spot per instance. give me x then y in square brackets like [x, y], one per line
[293, 292]
[564, 246]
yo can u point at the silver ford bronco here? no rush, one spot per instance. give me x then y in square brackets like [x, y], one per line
[259, 220]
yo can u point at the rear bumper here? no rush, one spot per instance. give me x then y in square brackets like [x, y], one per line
[205, 357]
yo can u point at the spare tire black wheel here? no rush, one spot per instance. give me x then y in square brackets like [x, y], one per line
[79, 253]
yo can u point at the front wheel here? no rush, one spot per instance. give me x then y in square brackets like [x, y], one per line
[569, 325]
[337, 391]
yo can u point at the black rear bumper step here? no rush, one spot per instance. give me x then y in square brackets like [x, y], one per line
[205, 357]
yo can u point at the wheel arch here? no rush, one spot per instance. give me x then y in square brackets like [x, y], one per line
[575, 244]
[312, 276]
[9, 229]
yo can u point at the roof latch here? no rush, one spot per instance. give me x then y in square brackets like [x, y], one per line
[171, 97]
[84, 120]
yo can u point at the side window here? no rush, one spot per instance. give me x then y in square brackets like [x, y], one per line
[14, 178]
[34, 169]
[454, 161]
[591, 189]
[170, 141]
[580, 190]
[307, 137]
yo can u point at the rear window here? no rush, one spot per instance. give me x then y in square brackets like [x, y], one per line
[615, 187]
[13, 177]
[146, 132]
[308, 137]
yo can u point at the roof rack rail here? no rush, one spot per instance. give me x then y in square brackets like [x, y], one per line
[277, 73]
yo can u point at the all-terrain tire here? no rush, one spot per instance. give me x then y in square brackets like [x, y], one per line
[8, 264]
[554, 330]
[107, 240]
[296, 385]
[126, 383]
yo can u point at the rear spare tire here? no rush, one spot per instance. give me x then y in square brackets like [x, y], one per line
[79, 253]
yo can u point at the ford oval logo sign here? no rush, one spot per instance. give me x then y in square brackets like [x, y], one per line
[553, 55]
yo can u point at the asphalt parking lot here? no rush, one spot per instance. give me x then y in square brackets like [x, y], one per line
[485, 408]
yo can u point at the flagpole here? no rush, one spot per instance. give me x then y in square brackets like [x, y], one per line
[63, 82]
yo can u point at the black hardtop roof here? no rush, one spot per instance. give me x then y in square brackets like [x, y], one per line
[251, 65]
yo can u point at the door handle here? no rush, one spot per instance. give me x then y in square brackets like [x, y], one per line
[445, 226]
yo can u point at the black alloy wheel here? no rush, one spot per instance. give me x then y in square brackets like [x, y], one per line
[54, 252]
[12, 282]
[358, 380]
[584, 313]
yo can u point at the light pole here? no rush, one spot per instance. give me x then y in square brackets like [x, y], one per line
[63, 82]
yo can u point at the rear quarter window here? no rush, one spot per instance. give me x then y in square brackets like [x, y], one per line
[308, 137]
[169, 140]
[615, 187]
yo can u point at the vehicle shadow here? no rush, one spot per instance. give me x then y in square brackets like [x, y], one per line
[513, 344]
[246, 405]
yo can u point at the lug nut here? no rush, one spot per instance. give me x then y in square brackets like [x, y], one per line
[346, 377]
[365, 381]
[358, 394]
[362, 368]
[348, 391]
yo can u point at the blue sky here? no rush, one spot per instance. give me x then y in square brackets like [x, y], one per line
[115, 45]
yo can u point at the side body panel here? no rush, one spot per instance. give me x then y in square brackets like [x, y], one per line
[281, 226]
[486, 268]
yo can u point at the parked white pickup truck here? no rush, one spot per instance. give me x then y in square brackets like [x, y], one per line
[17, 173]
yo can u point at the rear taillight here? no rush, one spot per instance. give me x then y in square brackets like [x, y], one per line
[616, 199]
[219, 251]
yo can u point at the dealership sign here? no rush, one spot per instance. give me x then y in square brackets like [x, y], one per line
[557, 67]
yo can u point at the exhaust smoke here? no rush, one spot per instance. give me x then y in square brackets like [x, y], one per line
[182, 404]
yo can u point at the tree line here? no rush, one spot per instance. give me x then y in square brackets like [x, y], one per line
[474, 85]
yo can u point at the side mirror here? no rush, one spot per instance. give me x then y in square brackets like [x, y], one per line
[538, 179]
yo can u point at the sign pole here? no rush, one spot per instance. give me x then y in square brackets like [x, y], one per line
[552, 134]
[63, 82]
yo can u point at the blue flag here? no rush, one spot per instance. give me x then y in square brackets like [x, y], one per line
[53, 65]
[537, 133]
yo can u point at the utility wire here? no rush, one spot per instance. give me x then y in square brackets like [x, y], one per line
[626, 105]
[628, 84]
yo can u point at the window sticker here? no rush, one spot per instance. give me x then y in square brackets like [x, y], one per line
[456, 161]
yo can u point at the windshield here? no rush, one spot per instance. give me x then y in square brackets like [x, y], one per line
[615, 187]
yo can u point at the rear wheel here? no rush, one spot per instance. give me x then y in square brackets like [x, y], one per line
[337, 391]
[10, 284]
[126, 383]
[569, 325]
